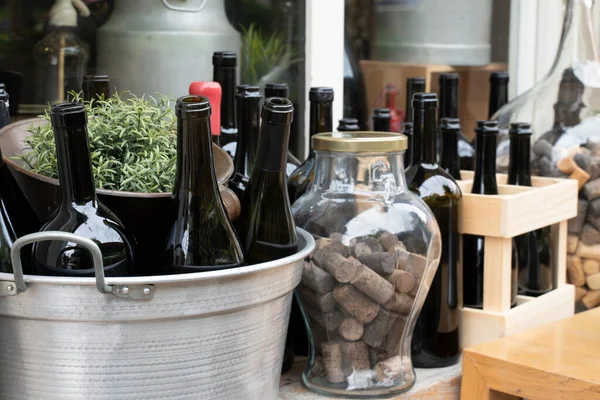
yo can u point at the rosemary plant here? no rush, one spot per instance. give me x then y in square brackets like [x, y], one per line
[132, 144]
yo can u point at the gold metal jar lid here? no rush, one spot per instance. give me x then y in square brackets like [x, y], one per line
[360, 142]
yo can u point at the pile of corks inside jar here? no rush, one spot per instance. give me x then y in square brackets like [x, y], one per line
[583, 244]
[358, 297]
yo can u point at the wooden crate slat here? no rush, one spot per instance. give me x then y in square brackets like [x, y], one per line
[497, 278]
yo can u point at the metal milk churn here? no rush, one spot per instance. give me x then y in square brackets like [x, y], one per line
[163, 45]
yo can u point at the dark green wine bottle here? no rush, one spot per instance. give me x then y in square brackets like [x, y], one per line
[202, 238]
[381, 119]
[450, 132]
[435, 339]
[321, 120]
[535, 279]
[224, 72]
[498, 92]
[407, 130]
[266, 225]
[79, 210]
[248, 120]
[413, 85]
[484, 183]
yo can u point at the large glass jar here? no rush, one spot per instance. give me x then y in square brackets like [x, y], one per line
[378, 247]
[564, 112]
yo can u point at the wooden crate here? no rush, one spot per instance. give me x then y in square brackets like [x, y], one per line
[516, 210]
[474, 88]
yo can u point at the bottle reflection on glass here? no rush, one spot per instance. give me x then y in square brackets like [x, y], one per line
[202, 238]
[96, 87]
[408, 131]
[498, 92]
[435, 340]
[535, 278]
[79, 211]
[450, 132]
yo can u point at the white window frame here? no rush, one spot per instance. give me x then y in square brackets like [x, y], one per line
[324, 53]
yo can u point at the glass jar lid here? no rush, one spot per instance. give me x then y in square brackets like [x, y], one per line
[360, 142]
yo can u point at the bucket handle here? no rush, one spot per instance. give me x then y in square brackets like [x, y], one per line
[179, 8]
[130, 291]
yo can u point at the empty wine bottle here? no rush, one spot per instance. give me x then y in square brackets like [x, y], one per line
[96, 87]
[202, 238]
[321, 120]
[435, 339]
[407, 129]
[266, 225]
[348, 125]
[248, 120]
[450, 132]
[224, 72]
[79, 211]
[449, 84]
[484, 182]
[498, 92]
[535, 279]
[413, 85]
[381, 119]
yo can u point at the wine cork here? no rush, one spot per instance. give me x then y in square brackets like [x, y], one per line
[400, 302]
[381, 262]
[579, 293]
[591, 267]
[388, 370]
[336, 236]
[350, 329]
[356, 303]
[321, 335]
[372, 243]
[581, 176]
[575, 272]
[318, 368]
[376, 355]
[316, 278]
[372, 284]
[333, 362]
[335, 247]
[403, 281]
[593, 281]
[575, 225]
[355, 356]
[393, 339]
[328, 320]
[594, 207]
[585, 251]
[589, 235]
[324, 302]
[359, 249]
[591, 299]
[572, 242]
[594, 171]
[593, 221]
[566, 165]
[375, 332]
[390, 242]
[416, 266]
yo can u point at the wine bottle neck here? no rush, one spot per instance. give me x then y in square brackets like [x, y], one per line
[195, 172]
[449, 101]
[321, 119]
[498, 97]
[228, 85]
[411, 89]
[425, 136]
[271, 154]
[484, 181]
[74, 165]
[450, 160]
[519, 168]
[248, 119]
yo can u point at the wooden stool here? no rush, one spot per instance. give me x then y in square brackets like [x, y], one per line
[556, 361]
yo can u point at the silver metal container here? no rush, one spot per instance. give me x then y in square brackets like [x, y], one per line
[211, 335]
[456, 32]
[163, 45]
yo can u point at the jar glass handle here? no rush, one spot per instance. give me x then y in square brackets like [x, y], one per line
[384, 181]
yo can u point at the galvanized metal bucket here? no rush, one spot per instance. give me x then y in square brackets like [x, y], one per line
[212, 335]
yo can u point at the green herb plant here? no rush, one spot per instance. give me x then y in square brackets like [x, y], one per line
[132, 143]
